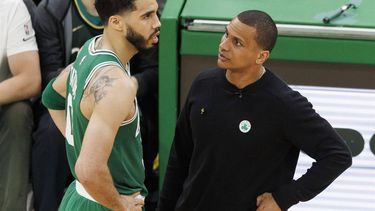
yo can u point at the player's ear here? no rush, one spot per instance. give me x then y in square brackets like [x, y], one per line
[116, 22]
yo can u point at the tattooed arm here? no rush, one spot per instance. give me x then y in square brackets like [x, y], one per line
[108, 100]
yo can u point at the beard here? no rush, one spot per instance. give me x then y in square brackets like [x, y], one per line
[137, 40]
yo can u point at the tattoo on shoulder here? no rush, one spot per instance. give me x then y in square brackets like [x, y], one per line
[98, 88]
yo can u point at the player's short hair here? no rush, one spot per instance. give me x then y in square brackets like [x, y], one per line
[107, 8]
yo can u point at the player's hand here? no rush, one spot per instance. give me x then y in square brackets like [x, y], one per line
[266, 202]
[133, 202]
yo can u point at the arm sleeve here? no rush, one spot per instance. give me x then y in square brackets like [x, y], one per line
[51, 99]
[178, 164]
[52, 56]
[21, 34]
[144, 67]
[306, 130]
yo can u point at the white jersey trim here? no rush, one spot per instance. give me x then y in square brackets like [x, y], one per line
[136, 113]
[82, 191]
[93, 51]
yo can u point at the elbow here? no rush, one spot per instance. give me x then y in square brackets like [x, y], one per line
[344, 160]
[348, 160]
[80, 171]
[34, 87]
[36, 90]
[347, 157]
[85, 172]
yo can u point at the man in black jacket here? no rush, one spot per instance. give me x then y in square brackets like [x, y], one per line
[239, 135]
[61, 28]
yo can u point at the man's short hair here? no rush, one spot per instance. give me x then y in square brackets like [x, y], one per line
[107, 8]
[266, 31]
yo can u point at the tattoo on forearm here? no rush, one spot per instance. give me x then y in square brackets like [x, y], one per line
[98, 88]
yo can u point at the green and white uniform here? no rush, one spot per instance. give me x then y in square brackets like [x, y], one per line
[125, 162]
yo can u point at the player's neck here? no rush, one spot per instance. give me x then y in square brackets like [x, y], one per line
[241, 79]
[122, 48]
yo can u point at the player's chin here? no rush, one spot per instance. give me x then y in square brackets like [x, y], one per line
[150, 43]
[148, 46]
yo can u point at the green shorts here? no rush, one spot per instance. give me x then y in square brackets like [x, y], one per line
[75, 201]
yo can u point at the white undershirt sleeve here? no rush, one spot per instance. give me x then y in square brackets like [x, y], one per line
[21, 34]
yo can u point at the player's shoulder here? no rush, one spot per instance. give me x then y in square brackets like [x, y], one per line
[110, 87]
[114, 77]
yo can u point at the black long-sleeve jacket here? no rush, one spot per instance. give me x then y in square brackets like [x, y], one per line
[232, 145]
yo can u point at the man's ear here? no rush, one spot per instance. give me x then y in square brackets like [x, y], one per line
[262, 57]
[116, 22]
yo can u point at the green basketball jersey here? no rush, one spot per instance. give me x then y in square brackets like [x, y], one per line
[125, 162]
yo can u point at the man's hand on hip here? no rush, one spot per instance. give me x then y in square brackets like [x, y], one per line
[266, 202]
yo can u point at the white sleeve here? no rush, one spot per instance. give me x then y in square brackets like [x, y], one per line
[21, 34]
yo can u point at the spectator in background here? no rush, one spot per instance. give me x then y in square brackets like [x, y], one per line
[239, 135]
[20, 80]
[100, 118]
[62, 27]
